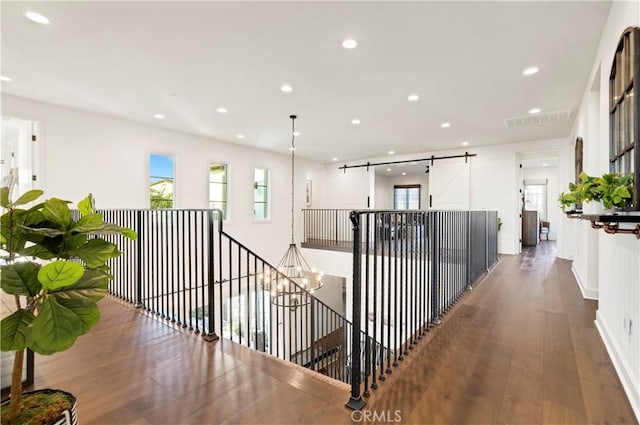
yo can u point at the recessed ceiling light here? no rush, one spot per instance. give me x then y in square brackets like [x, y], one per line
[5, 79]
[404, 174]
[349, 43]
[221, 110]
[391, 152]
[535, 110]
[413, 97]
[334, 159]
[355, 121]
[465, 143]
[388, 169]
[240, 136]
[286, 88]
[296, 133]
[159, 116]
[531, 70]
[545, 164]
[445, 125]
[36, 17]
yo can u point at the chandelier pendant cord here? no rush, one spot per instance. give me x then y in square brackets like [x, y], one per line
[293, 165]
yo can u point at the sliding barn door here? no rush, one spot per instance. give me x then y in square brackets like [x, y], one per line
[449, 184]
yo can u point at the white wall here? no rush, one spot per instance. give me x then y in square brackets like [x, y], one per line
[616, 257]
[84, 152]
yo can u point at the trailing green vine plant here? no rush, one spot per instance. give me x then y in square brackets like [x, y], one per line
[611, 189]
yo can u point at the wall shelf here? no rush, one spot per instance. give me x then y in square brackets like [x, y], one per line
[574, 214]
[610, 223]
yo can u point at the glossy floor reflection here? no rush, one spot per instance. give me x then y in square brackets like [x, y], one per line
[133, 369]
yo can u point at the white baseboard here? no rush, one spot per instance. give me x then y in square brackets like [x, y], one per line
[630, 385]
[587, 293]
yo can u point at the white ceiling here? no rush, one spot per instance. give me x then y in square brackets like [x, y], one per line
[185, 59]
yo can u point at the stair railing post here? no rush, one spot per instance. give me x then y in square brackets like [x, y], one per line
[211, 335]
[138, 300]
[469, 248]
[355, 401]
[486, 240]
[435, 268]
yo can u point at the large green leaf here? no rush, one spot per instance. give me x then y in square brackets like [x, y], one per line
[74, 242]
[96, 252]
[44, 231]
[86, 311]
[88, 223]
[60, 274]
[21, 279]
[34, 217]
[38, 251]
[5, 202]
[86, 205]
[15, 330]
[114, 229]
[29, 196]
[93, 286]
[55, 328]
[12, 230]
[57, 211]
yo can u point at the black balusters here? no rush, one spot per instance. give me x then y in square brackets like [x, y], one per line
[416, 266]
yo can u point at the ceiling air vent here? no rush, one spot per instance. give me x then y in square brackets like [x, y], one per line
[537, 120]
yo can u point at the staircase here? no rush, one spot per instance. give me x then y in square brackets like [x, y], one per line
[185, 269]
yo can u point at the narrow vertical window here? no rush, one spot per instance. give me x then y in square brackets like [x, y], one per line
[261, 194]
[218, 187]
[406, 197]
[161, 180]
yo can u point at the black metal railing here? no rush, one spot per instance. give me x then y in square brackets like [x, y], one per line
[327, 228]
[409, 269]
[184, 268]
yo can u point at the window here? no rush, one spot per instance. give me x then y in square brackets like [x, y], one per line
[218, 187]
[535, 198]
[161, 181]
[406, 197]
[624, 91]
[260, 194]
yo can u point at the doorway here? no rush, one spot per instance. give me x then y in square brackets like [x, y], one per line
[18, 155]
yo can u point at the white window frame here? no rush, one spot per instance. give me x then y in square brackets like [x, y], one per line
[227, 213]
[267, 219]
[174, 171]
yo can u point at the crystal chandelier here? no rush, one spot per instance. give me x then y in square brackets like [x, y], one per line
[291, 283]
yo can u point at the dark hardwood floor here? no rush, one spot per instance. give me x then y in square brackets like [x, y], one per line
[134, 369]
[520, 348]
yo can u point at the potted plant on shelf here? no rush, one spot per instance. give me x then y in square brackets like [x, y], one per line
[54, 265]
[613, 190]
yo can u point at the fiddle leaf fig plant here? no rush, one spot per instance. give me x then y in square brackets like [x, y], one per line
[55, 266]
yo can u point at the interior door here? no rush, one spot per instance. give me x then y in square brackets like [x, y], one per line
[449, 184]
[17, 154]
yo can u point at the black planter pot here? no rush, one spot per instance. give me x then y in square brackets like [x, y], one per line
[68, 417]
